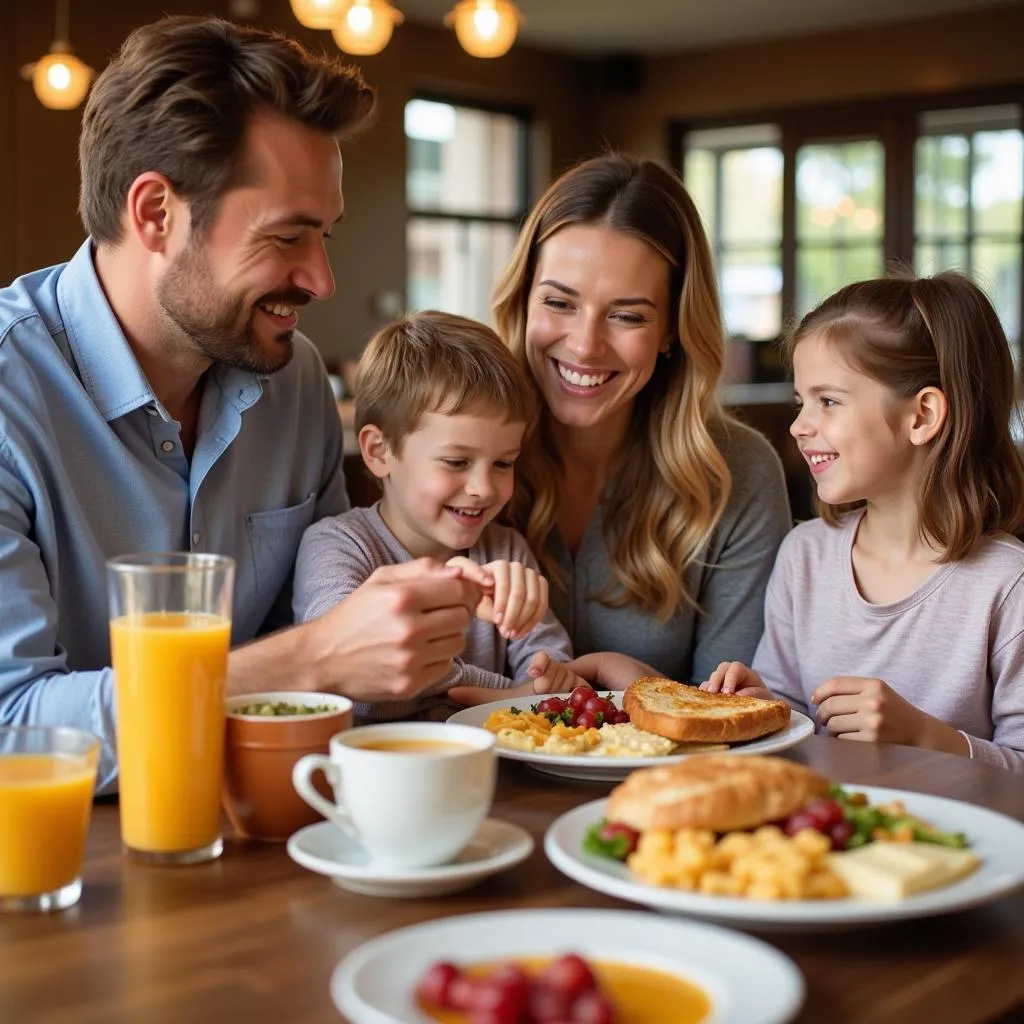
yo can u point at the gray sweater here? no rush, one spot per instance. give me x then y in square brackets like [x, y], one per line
[338, 554]
[728, 579]
[954, 647]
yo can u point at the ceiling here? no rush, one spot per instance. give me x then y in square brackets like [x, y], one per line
[653, 26]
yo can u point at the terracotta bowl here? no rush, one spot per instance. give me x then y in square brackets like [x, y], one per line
[260, 751]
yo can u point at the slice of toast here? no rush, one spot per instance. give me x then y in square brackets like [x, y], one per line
[720, 792]
[691, 715]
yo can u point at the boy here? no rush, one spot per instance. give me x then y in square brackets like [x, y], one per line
[441, 411]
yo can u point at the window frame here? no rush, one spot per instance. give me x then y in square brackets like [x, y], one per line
[894, 120]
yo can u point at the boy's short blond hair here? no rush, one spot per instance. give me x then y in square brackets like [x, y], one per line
[438, 362]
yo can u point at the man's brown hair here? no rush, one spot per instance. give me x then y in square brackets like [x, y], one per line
[178, 98]
[438, 362]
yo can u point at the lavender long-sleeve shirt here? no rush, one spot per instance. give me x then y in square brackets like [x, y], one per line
[338, 554]
[954, 647]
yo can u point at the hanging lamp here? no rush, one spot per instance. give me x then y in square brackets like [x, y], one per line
[60, 79]
[366, 27]
[319, 13]
[485, 28]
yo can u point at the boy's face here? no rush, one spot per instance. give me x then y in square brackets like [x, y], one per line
[453, 475]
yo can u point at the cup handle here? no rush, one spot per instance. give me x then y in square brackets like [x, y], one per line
[302, 781]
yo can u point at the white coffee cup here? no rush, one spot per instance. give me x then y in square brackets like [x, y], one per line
[408, 808]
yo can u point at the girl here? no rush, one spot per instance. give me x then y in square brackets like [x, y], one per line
[899, 615]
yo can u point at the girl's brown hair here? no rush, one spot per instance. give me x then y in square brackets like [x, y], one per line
[670, 457]
[911, 333]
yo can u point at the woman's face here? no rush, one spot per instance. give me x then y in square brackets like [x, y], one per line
[598, 314]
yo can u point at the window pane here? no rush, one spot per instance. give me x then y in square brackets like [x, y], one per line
[997, 270]
[454, 265]
[462, 160]
[840, 191]
[821, 271]
[751, 284]
[752, 200]
[941, 196]
[997, 182]
[699, 178]
[930, 259]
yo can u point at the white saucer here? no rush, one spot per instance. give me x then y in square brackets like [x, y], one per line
[324, 848]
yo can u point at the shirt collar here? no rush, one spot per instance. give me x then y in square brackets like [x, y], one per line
[108, 368]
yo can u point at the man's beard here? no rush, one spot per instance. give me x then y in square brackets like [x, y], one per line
[219, 324]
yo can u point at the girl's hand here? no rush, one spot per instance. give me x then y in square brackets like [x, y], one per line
[855, 708]
[735, 677]
[515, 597]
[551, 676]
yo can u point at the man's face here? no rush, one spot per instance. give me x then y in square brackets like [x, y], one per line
[236, 291]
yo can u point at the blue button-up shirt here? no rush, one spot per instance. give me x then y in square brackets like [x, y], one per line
[91, 466]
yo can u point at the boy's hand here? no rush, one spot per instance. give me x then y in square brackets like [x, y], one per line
[550, 676]
[735, 677]
[515, 597]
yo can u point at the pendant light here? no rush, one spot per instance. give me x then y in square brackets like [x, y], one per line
[366, 27]
[60, 79]
[319, 13]
[485, 28]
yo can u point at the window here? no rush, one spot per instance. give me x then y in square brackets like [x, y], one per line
[815, 199]
[466, 194]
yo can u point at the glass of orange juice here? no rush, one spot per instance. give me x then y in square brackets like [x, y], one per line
[170, 630]
[47, 777]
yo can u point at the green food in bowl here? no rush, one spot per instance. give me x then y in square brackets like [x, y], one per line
[273, 709]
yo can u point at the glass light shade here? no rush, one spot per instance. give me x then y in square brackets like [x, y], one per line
[61, 80]
[366, 27]
[319, 13]
[485, 28]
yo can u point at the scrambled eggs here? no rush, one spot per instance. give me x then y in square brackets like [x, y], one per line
[534, 733]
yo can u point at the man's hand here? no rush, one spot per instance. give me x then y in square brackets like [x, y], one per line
[515, 597]
[870, 710]
[396, 634]
[735, 677]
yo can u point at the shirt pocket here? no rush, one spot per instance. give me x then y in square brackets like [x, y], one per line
[274, 537]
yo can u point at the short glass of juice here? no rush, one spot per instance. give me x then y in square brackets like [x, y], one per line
[47, 776]
[170, 631]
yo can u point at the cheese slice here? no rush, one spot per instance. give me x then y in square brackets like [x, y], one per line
[894, 871]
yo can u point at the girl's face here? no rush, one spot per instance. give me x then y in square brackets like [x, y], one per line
[598, 314]
[851, 429]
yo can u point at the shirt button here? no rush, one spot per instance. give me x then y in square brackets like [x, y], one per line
[196, 537]
[168, 446]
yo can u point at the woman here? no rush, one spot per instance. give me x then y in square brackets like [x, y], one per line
[655, 516]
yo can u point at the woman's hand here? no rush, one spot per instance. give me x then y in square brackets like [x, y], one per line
[735, 677]
[606, 670]
[515, 597]
[870, 710]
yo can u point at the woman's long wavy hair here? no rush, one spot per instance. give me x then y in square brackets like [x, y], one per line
[911, 333]
[671, 483]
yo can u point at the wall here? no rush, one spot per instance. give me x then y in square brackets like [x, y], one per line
[39, 224]
[951, 53]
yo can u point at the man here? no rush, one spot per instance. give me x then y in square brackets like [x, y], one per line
[155, 396]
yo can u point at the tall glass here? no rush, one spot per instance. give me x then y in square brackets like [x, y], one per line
[47, 776]
[170, 630]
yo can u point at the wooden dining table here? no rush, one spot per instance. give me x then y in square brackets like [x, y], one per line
[254, 937]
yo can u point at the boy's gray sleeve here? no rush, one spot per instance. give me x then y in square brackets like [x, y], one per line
[548, 635]
[331, 564]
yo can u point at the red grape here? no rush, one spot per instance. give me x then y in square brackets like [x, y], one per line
[434, 987]
[586, 719]
[840, 834]
[592, 1008]
[551, 704]
[496, 1002]
[597, 706]
[462, 993]
[579, 696]
[570, 974]
[798, 821]
[826, 813]
[548, 1005]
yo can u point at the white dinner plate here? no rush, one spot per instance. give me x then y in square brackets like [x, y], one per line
[591, 768]
[325, 849]
[746, 980]
[995, 838]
